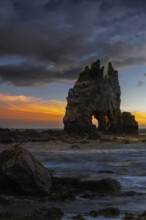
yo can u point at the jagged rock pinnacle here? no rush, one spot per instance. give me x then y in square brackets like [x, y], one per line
[97, 93]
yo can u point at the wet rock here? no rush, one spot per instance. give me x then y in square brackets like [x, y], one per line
[107, 185]
[105, 171]
[97, 94]
[74, 186]
[129, 216]
[106, 212]
[93, 213]
[131, 193]
[61, 194]
[109, 212]
[122, 171]
[142, 216]
[21, 173]
[48, 213]
[78, 217]
[89, 195]
[43, 213]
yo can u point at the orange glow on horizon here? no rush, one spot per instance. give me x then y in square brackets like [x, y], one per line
[140, 118]
[31, 109]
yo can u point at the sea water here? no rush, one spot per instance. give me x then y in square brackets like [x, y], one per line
[126, 163]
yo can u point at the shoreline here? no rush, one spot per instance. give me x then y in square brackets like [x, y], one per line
[10, 136]
[20, 207]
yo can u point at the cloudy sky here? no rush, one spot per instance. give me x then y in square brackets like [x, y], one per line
[45, 44]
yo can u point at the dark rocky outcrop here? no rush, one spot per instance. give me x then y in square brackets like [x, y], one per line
[106, 212]
[106, 185]
[42, 213]
[97, 94]
[66, 187]
[21, 173]
[46, 213]
[78, 217]
[131, 216]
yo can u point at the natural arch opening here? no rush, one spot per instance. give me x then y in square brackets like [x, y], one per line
[95, 121]
[101, 121]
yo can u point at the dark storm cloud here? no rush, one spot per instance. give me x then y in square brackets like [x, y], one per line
[33, 75]
[69, 34]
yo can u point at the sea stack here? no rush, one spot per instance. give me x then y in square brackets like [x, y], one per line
[97, 94]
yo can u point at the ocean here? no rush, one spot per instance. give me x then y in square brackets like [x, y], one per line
[124, 162]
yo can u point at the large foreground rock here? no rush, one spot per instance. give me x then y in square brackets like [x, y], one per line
[97, 94]
[21, 173]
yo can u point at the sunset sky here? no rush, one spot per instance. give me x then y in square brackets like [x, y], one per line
[45, 44]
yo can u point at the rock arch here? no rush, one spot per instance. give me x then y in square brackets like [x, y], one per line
[97, 94]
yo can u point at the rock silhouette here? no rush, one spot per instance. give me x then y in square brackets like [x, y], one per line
[21, 173]
[97, 94]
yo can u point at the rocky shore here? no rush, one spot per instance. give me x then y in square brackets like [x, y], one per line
[12, 136]
[30, 191]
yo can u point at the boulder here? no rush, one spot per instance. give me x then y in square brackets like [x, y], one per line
[21, 173]
[105, 186]
[76, 186]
